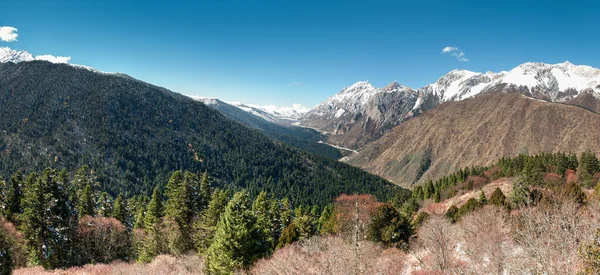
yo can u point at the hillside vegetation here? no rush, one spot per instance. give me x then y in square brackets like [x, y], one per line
[476, 132]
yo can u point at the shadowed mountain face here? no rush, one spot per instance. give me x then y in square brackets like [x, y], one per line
[302, 138]
[134, 135]
[478, 131]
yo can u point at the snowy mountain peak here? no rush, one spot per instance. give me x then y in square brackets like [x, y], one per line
[15, 56]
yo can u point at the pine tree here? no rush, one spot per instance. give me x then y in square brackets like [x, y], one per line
[49, 223]
[264, 222]
[498, 198]
[482, 199]
[235, 243]
[153, 242]
[326, 222]
[85, 203]
[205, 227]
[120, 210]
[179, 210]
[286, 212]
[6, 262]
[204, 193]
[104, 205]
[14, 196]
[520, 194]
[436, 196]
[389, 227]
[452, 214]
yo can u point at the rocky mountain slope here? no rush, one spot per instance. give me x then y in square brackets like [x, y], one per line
[361, 113]
[477, 131]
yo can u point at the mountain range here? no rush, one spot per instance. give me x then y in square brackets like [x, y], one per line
[361, 113]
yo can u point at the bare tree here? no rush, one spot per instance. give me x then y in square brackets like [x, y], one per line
[551, 234]
[438, 237]
[485, 240]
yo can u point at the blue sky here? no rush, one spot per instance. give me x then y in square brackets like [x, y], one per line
[284, 52]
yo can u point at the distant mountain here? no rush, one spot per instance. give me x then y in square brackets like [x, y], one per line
[477, 131]
[361, 113]
[134, 135]
[281, 115]
[299, 137]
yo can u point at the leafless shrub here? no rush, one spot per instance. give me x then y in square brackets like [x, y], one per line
[332, 255]
[438, 237]
[550, 235]
[163, 265]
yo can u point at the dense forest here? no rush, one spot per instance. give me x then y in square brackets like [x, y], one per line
[134, 135]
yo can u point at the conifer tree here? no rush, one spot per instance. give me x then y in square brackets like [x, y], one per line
[180, 209]
[482, 199]
[264, 222]
[235, 244]
[153, 242]
[498, 198]
[104, 205]
[49, 222]
[120, 210]
[6, 262]
[205, 227]
[389, 227]
[85, 203]
[286, 213]
[14, 196]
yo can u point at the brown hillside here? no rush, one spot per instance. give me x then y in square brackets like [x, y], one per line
[478, 131]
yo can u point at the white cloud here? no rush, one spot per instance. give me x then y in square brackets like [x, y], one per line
[295, 83]
[53, 59]
[8, 34]
[456, 52]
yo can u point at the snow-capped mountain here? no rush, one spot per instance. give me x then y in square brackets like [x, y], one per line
[271, 113]
[361, 113]
[338, 115]
[9, 55]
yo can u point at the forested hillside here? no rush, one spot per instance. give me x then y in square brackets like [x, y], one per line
[302, 138]
[133, 135]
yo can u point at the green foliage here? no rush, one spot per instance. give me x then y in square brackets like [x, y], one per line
[590, 255]
[573, 191]
[120, 210]
[205, 227]
[136, 135]
[588, 166]
[409, 208]
[153, 243]
[6, 261]
[498, 198]
[327, 223]
[235, 243]
[49, 221]
[288, 236]
[389, 227]
[519, 196]
[482, 199]
[14, 197]
[452, 214]
[420, 219]
[470, 206]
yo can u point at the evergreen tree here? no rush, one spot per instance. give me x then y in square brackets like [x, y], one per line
[205, 227]
[452, 214]
[326, 223]
[264, 222]
[153, 242]
[286, 213]
[498, 198]
[6, 261]
[588, 166]
[120, 210]
[179, 210]
[14, 197]
[389, 227]
[236, 239]
[482, 199]
[49, 224]
[104, 205]
[533, 172]
[85, 203]
[204, 193]
[520, 194]
[436, 196]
